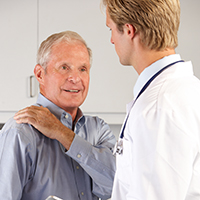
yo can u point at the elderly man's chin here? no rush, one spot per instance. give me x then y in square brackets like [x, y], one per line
[72, 101]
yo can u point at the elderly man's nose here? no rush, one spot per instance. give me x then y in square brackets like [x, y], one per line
[74, 78]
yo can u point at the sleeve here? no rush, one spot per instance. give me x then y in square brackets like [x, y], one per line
[96, 158]
[163, 156]
[14, 163]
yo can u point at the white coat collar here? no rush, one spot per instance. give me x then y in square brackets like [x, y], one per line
[153, 69]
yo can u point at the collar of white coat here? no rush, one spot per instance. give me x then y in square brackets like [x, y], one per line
[149, 72]
[153, 69]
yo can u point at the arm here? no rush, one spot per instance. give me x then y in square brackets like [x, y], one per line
[43, 120]
[15, 163]
[96, 157]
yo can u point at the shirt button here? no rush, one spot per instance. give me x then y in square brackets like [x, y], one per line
[66, 116]
[79, 155]
[77, 167]
[82, 193]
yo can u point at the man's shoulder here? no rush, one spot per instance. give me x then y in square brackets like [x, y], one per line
[97, 124]
[94, 120]
[23, 131]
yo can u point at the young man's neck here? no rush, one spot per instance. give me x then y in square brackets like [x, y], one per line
[148, 57]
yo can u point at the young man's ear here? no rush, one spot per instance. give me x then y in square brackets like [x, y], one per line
[39, 72]
[130, 30]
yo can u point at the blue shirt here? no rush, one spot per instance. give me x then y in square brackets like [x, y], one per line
[32, 166]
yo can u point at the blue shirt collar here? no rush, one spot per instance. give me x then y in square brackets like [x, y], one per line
[57, 111]
[153, 69]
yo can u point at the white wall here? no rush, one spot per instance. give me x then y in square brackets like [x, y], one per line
[107, 75]
[189, 39]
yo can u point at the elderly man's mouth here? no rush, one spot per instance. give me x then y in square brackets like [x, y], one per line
[73, 91]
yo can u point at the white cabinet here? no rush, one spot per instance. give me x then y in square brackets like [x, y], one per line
[27, 23]
[18, 46]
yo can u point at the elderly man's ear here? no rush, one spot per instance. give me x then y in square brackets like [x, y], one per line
[39, 72]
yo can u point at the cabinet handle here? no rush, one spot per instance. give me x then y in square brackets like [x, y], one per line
[31, 86]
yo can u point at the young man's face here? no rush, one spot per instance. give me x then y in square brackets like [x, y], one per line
[120, 40]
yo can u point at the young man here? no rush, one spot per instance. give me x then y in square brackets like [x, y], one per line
[75, 161]
[158, 152]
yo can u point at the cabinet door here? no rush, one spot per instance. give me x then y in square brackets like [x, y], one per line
[18, 46]
[111, 85]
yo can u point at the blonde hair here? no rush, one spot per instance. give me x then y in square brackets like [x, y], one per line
[44, 51]
[156, 20]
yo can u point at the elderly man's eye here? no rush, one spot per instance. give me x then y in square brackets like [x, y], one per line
[83, 69]
[64, 67]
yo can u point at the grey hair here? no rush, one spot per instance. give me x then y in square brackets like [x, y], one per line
[44, 51]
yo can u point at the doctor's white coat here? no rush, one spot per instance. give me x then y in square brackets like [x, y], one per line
[161, 144]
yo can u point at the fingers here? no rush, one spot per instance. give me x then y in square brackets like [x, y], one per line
[39, 117]
[27, 120]
[28, 115]
[47, 123]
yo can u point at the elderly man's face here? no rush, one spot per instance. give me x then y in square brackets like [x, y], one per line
[66, 80]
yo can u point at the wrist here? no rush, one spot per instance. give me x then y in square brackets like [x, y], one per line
[65, 137]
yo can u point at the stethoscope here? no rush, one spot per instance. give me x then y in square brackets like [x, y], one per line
[119, 144]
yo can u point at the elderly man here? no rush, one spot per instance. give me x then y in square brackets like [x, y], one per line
[75, 160]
